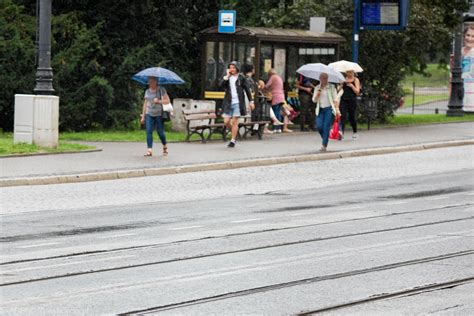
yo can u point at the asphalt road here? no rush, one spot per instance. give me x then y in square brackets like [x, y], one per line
[391, 233]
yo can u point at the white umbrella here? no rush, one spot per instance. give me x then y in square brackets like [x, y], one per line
[315, 70]
[344, 65]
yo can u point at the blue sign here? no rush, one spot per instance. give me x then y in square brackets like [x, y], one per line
[227, 21]
[383, 14]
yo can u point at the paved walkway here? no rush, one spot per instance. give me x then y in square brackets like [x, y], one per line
[427, 108]
[127, 158]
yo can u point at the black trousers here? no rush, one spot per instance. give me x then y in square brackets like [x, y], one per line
[307, 114]
[348, 108]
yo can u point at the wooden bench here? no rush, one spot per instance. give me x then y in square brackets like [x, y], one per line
[200, 121]
[252, 127]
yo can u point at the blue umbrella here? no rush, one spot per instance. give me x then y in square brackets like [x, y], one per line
[163, 76]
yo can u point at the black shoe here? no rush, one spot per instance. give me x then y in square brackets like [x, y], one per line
[305, 129]
[231, 145]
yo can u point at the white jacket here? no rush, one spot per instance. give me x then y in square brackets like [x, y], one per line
[333, 94]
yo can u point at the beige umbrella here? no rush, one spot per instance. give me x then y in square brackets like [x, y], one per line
[344, 66]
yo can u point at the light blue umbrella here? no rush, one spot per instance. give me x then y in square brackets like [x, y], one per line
[162, 75]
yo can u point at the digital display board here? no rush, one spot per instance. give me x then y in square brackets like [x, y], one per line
[380, 12]
[383, 14]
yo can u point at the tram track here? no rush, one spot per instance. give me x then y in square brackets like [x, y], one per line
[306, 281]
[215, 254]
[384, 296]
[263, 231]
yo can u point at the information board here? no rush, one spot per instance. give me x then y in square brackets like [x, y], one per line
[386, 13]
[383, 14]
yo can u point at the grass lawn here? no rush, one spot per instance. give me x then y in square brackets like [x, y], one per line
[119, 136]
[418, 119]
[125, 136]
[8, 148]
[438, 77]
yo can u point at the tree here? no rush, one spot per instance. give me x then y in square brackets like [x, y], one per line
[17, 54]
[386, 56]
[98, 45]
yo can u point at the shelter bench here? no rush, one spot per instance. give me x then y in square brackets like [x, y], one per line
[198, 121]
[252, 127]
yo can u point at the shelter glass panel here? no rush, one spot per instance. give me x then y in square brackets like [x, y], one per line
[224, 58]
[211, 66]
[266, 60]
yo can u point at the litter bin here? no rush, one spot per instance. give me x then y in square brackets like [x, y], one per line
[370, 109]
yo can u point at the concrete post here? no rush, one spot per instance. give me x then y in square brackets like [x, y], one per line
[36, 120]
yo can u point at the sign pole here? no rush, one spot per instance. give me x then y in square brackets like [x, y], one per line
[355, 32]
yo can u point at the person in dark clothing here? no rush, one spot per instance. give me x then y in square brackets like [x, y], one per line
[305, 91]
[249, 72]
[348, 107]
[235, 85]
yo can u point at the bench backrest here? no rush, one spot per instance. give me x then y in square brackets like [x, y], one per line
[199, 117]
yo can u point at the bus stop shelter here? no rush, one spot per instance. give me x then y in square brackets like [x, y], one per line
[285, 50]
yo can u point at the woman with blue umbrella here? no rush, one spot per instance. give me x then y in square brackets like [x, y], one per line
[155, 97]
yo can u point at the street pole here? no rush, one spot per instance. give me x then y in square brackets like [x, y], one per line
[457, 89]
[355, 32]
[44, 72]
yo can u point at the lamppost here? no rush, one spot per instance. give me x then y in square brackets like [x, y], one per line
[457, 88]
[36, 119]
[44, 72]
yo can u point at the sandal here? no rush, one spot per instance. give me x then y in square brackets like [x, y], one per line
[165, 150]
[148, 154]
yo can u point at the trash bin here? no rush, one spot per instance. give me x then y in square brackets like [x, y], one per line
[370, 109]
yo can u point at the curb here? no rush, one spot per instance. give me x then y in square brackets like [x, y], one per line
[134, 173]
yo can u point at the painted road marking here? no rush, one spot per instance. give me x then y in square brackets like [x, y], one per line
[438, 198]
[357, 207]
[115, 236]
[68, 264]
[182, 228]
[396, 203]
[38, 245]
[299, 214]
[247, 220]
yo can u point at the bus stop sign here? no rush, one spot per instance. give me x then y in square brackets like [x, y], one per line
[227, 21]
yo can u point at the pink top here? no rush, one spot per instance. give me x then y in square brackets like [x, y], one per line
[275, 84]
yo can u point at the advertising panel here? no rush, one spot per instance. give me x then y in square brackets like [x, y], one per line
[468, 66]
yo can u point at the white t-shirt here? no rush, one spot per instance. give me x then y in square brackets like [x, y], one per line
[324, 98]
[233, 89]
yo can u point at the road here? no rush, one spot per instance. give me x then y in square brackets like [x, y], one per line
[389, 233]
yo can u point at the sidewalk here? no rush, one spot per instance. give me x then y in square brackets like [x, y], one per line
[122, 160]
[427, 108]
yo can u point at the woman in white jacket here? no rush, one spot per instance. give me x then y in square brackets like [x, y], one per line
[326, 96]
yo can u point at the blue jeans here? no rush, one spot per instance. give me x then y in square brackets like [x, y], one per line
[150, 122]
[277, 110]
[324, 123]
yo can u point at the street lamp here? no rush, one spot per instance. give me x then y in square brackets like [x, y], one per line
[457, 88]
[44, 72]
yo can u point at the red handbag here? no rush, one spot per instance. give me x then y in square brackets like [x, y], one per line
[334, 134]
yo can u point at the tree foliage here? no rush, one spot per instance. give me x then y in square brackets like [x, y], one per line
[386, 56]
[98, 45]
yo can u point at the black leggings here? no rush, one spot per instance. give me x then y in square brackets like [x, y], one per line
[348, 107]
